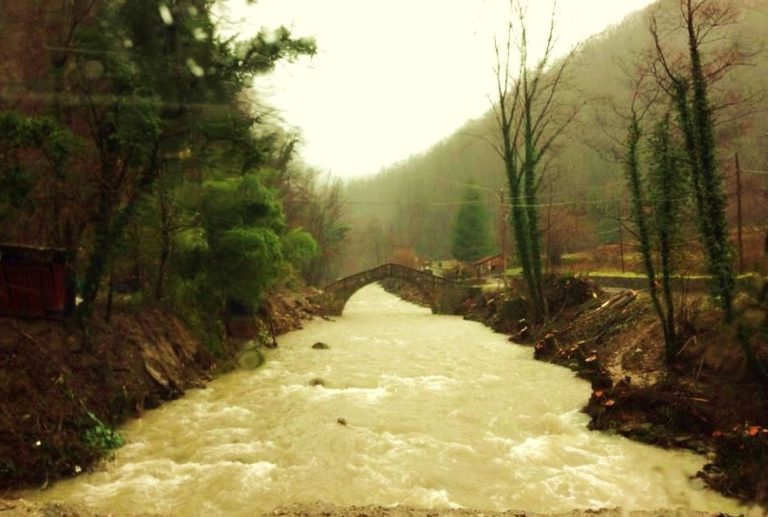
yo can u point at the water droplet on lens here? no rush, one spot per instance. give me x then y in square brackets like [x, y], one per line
[196, 69]
[165, 14]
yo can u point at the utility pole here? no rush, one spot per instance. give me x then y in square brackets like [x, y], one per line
[503, 228]
[621, 235]
[739, 215]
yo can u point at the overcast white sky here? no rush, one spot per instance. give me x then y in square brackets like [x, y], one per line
[393, 77]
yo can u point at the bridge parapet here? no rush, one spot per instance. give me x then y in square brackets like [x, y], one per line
[445, 296]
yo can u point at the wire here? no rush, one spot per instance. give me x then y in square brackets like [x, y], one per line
[542, 193]
[504, 205]
[463, 184]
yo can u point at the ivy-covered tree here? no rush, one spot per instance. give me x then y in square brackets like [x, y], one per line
[667, 186]
[657, 195]
[687, 83]
[529, 119]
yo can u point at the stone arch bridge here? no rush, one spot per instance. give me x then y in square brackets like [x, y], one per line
[445, 296]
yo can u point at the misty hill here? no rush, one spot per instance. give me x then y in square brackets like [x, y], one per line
[412, 204]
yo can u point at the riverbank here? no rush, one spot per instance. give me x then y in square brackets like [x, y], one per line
[61, 402]
[20, 508]
[709, 401]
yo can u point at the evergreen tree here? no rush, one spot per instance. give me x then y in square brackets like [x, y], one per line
[470, 232]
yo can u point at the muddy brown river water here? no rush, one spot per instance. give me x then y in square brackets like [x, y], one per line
[416, 409]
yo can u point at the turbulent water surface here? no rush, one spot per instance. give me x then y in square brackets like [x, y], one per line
[428, 411]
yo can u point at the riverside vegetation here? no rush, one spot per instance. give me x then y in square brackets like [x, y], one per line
[131, 142]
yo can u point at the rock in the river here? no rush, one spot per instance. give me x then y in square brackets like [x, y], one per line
[250, 359]
[320, 346]
[341, 421]
[317, 382]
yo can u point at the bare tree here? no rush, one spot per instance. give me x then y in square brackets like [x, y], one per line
[529, 118]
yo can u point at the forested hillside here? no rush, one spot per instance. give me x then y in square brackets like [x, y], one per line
[582, 194]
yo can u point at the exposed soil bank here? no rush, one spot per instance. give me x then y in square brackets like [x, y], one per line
[708, 401]
[60, 402]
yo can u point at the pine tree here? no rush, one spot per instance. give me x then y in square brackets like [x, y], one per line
[470, 232]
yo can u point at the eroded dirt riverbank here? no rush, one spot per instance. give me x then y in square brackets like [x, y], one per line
[60, 401]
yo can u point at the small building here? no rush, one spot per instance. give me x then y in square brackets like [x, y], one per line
[33, 282]
[490, 265]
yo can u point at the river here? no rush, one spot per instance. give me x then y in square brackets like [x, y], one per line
[417, 409]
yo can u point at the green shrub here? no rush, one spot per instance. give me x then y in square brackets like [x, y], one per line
[100, 436]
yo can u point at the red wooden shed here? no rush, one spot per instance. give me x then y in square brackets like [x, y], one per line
[33, 282]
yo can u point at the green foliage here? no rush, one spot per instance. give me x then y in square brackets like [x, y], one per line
[470, 231]
[21, 138]
[165, 89]
[667, 180]
[248, 260]
[323, 216]
[15, 186]
[581, 170]
[239, 201]
[299, 247]
[234, 249]
[100, 436]
[151, 169]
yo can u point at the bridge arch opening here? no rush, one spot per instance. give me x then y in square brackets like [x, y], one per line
[388, 284]
[444, 296]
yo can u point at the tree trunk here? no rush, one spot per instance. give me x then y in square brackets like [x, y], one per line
[164, 253]
[632, 167]
[713, 210]
[739, 215]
